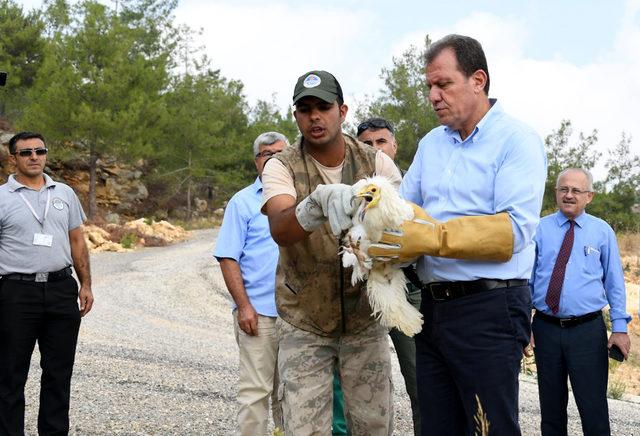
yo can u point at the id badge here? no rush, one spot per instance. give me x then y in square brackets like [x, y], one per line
[42, 239]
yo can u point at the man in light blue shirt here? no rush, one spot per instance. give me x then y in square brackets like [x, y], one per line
[248, 258]
[481, 177]
[577, 273]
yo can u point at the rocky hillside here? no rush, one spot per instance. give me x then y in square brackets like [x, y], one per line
[119, 189]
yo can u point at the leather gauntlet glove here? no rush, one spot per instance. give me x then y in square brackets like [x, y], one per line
[486, 237]
[334, 202]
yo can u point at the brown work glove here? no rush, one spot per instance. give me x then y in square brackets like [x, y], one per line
[485, 237]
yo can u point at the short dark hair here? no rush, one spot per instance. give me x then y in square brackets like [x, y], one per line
[375, 124]
[468, 51]
[21, 137]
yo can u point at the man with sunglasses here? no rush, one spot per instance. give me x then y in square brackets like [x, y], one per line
[481, 176]
[379, 133]
[40, 238]
[248, 258]
[324, 321]
[577, 273]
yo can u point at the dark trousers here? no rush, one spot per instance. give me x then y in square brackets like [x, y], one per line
[579, 353]
[48, 313]
[468, 354]
[406, 351]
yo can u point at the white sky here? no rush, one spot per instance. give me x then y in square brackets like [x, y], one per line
[580, 60]
[549, 60]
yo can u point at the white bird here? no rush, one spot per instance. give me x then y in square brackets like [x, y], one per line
[381, 208]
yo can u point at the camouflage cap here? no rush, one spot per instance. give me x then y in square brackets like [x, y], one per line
[319, 84]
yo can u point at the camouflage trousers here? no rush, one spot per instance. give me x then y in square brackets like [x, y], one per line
[306, 363]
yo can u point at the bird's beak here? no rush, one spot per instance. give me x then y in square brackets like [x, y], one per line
[369, 197]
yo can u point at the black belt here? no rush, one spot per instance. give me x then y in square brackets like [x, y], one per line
[41, 277]
[567, 322]
[445, 291]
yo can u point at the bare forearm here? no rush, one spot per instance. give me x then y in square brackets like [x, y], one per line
[80, 256]
[233, 279]
[285, 228]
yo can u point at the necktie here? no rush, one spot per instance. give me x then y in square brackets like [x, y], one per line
[557, 276]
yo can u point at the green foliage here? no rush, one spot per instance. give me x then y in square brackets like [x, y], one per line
[561, 155]
[404, 102]
[128, 240]
[619, 192]
[616, 388]
[202, 139]
[21, 52]
[266, 116]
[99, 85]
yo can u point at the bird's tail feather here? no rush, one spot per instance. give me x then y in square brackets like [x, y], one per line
[386, 290]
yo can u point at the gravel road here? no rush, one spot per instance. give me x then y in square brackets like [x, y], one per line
[157, 354]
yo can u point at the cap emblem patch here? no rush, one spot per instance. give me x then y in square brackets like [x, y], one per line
[311, 81]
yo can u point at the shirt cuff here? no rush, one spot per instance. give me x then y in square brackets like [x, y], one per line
[619, 325]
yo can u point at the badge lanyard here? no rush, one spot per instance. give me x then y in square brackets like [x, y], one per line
[33, 211]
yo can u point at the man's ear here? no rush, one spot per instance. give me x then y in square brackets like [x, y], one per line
[590, 196]
[479, 79]
[343, 112]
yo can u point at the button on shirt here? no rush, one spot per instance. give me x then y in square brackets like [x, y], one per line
[245, 237]
[594, 276]
[499, 167]
[18, 225]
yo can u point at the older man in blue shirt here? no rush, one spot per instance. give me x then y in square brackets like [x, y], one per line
[248, 258]
[577, 273]
[481, 176]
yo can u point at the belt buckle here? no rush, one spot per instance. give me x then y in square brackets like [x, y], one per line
[446, 292]
[42, 277]
[563, 321]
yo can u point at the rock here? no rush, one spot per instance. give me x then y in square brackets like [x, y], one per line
[201, 205]
[112, 218]
[219, 212]
[162, 230]
[111, 246]
[168, 231]
[96, 235]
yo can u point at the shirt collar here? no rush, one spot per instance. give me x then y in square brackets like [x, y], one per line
[14, 185]
[257, 185]
[494, 110]
[579, 220]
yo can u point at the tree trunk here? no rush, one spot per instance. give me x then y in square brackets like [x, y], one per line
[189, 200]
[189, 188]
[93, 164]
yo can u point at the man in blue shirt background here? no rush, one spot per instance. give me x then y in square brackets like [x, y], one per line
[481, 176]
[577, 273]
[248, 258]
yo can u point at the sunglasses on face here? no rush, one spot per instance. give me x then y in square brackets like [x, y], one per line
[26, 152]
[374, 123]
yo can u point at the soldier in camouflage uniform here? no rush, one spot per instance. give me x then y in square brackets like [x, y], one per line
[325, 322]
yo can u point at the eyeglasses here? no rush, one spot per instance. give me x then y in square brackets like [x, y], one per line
[26, 152]
[374, 123]
[265, 153]
[574, 191]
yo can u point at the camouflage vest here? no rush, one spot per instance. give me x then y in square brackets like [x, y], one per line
[309, 272]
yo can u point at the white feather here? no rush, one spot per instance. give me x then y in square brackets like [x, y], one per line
[386, 285]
